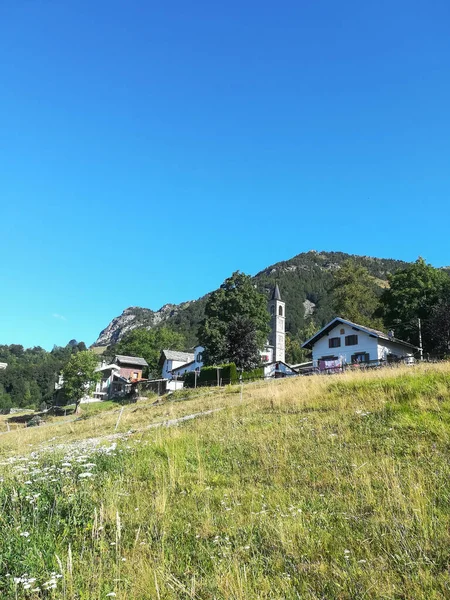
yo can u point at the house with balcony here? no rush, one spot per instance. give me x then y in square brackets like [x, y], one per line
[342, 342]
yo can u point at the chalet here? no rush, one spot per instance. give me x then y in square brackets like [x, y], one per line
[174, 363]
[343, 342]
[118, 376]
[130, 367]
[193, 365]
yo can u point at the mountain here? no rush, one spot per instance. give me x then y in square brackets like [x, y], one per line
[304, 281]
[134, 317]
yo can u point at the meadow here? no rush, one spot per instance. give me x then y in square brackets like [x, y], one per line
[307, 488]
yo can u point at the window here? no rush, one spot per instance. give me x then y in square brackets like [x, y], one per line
[351, 340]
[199, 357]
[360, 357]
[280, 311]
[334, 342]
[342, 331]
[272, 310]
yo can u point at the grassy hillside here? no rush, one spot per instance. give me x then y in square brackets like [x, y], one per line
[311, 488]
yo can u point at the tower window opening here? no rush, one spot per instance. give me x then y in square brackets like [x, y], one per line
[280, 311]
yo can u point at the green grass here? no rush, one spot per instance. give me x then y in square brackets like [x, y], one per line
[314, 488]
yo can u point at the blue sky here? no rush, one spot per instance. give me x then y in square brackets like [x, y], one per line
[148, 150]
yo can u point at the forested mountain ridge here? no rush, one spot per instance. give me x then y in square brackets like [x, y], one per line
[305, 282]
[29, 379]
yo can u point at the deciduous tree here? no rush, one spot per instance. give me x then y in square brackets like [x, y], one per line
[354, 295]
[241, 344]
[148, 343]
[437, 327]
[80, 376]
[236, 298]
[412, 294]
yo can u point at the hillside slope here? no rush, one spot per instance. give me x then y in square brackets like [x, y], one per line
[319, 487]
[304, 280]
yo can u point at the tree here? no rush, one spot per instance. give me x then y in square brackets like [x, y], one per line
[437, 327]
[353, 295]
[30, 376]
[80, 376]
[5, 403]
[241, 345]
[236, 298]
[148, 343]
[294, 352]
[412, 294]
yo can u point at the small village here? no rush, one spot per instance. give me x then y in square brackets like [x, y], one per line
[225, 300]
[337, 346]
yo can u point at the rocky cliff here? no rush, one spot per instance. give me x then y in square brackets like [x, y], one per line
[134, 317]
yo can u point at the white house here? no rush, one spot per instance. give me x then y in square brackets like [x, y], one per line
[193, 365]
[343, 342]
[175, 363]
[171, 359]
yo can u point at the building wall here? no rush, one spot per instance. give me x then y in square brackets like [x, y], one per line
[129, 372]
[267, 355]
[385, 347]
[197, 364]
[168, 366]
[173, 385]
[366, 343]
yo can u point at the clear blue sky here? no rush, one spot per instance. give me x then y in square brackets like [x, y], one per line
[149, 149]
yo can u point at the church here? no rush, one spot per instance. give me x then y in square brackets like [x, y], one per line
[273, 356]
[176, 364]
[275, 349]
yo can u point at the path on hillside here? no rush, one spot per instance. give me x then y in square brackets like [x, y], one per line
[96, 441]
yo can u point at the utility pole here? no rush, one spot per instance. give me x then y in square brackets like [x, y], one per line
[218, 376]
[195, 378]
[420, 339]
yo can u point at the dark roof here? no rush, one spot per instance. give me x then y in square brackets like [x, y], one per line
[184, 357]
[131, 360]
[372, 332]
[276, 293]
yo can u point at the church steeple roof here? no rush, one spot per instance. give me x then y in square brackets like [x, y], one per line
[276, 293]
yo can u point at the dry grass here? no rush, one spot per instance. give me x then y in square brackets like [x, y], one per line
[320, 487]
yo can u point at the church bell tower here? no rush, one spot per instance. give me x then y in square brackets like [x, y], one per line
[277, 325]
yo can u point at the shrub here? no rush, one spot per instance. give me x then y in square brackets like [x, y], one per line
[257, 373]
[208, 375]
